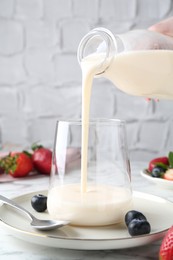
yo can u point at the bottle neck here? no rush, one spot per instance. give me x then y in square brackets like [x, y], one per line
[98, 41]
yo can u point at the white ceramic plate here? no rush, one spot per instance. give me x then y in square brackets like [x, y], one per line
[96, 238]
[159, 181]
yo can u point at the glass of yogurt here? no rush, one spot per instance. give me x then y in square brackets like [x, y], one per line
[90, 185]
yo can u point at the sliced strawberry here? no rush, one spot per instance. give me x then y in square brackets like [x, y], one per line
[166, 249]
[154, 162]
[168, 175]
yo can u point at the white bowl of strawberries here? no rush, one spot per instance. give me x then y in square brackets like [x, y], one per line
[160, 171]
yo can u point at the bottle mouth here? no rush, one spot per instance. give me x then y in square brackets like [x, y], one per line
[98, 41]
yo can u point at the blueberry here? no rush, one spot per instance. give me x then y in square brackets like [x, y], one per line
[133, 214]
[139, 227]
[158, 172]
[39, 202]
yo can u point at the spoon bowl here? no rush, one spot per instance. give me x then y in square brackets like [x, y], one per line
[40, 224]
[46, 224]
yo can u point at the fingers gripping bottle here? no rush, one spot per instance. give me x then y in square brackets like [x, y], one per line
[139, 62]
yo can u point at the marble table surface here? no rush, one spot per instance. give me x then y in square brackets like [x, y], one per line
[14, 248]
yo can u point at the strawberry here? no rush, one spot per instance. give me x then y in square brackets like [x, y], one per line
[42, 159]
[17, 164]
[1, 170]
[157, 161]
[168, 175]
[166, 249]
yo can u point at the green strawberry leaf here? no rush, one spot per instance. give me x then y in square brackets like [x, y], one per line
[27, 153]
[170, 157]
[36, 146]
[164, 166]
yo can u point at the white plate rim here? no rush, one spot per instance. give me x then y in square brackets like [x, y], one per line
[159, 181]
[142, 240]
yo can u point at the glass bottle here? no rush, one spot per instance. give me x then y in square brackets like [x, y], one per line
[139, 62]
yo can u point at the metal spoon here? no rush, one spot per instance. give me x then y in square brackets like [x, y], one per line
[35, 222]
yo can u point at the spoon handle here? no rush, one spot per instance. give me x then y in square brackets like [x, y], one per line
[16, 206]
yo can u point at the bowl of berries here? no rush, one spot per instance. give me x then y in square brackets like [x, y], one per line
[160, 171]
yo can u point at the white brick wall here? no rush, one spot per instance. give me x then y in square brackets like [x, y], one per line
[77, 29]
[11, 35]
[41, 34]
[6, 8]
[40, 79]
[32, 9]
[12, 69]
[39, 66]
[117, 10]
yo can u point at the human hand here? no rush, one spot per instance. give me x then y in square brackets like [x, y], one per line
[164, 27]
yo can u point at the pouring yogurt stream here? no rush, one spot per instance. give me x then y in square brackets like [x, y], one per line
[135, 67]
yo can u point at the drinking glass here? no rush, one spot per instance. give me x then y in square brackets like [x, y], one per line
[100, 194]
